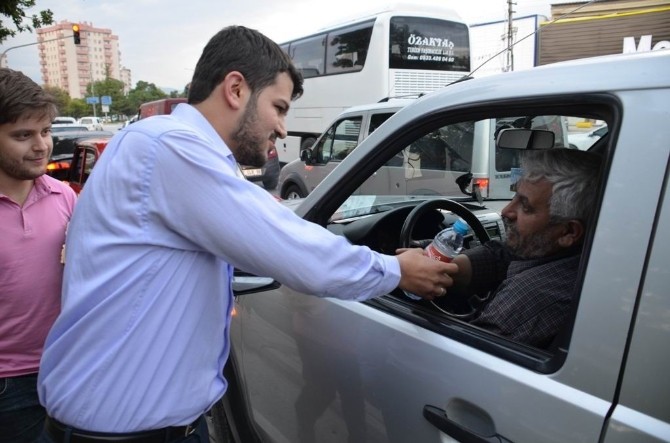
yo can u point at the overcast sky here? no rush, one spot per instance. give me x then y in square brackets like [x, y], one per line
[161, 40]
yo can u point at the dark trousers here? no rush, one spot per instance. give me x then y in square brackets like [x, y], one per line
[21, 415]
[201, 435]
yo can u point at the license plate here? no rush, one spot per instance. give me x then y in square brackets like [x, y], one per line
[252, 172]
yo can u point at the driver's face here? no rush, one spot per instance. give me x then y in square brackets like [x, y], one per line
[530, 233]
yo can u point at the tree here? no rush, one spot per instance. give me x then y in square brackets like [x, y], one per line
[15, 10]
[62, 98]
[144, 92]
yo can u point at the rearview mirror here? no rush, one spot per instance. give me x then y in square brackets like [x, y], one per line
[514, 138]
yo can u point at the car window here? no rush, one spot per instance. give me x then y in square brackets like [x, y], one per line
[439, 161]
[339, 140]
[377, 119]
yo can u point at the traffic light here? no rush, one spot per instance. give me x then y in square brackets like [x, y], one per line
[75, 34]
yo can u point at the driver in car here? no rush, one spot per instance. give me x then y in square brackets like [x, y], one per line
[531, 278]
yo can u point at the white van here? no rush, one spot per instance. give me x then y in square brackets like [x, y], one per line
[92, 123]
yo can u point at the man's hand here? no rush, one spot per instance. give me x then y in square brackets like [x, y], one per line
[424, 276]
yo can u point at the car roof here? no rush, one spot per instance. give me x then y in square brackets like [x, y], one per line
[391, 104]
[622, 71]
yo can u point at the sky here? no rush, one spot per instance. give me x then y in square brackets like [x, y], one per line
[161, 40]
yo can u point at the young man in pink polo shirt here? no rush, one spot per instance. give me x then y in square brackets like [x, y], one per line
[34, 212]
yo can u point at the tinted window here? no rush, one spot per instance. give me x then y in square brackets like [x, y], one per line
[377, 119]
[424, 43]
[347, 49]
[308, 56]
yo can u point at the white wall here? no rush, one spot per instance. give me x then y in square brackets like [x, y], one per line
[489, 39]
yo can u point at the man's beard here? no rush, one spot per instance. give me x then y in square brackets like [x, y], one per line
[18, 171]
[249, 144]
[537, 245]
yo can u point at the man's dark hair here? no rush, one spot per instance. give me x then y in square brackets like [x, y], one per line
[237, 48]
[21, 97]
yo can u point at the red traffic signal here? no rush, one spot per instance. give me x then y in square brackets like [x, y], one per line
[75, 34]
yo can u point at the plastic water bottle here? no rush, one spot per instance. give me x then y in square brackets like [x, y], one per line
[445, 246]
[448, 242]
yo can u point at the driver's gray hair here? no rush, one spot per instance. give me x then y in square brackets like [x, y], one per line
[574, 176]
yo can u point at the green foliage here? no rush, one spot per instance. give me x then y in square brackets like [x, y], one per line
[62, 99]
[15, 10]
[122, 104]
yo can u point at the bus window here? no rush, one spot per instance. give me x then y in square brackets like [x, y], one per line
[348, 49]
[308, 55]
[426, 43]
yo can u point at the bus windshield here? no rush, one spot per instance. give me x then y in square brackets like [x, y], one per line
[427, 43]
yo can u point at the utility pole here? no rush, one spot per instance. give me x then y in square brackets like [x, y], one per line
[510, 36]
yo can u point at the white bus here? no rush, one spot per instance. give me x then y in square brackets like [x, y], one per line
[401, 51]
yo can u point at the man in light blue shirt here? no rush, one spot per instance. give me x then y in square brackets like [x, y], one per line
[139, 348]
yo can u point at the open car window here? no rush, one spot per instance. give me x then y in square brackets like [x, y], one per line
[457, 160]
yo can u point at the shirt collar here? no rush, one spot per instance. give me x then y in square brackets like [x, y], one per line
[191, 116]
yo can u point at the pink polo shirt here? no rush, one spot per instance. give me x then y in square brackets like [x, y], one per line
[31, 239]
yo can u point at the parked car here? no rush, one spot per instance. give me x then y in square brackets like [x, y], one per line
[584, 140]
[86, 153]
[92, 123]
[68, 127]
[64, 121]
[393, 369]
[268, 174]
[64, 144]
[130, 121]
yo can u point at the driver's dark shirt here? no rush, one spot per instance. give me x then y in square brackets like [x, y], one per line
[531, 298]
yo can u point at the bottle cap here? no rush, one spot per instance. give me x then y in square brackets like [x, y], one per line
[461, 226]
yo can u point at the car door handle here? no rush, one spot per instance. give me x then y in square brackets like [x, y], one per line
[438, 418]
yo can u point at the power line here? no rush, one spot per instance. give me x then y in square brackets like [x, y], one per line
[510, 47]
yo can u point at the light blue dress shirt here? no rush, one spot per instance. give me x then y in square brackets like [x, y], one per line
[164, 217]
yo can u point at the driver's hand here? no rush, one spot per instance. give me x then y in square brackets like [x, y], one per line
[421, 275]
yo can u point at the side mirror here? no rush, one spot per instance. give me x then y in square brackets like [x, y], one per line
[514, 138]
[306, 155]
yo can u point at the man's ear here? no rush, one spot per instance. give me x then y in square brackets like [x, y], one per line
[572, 234]
[234, 90]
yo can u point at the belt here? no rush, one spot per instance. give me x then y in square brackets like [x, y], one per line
[59, 431]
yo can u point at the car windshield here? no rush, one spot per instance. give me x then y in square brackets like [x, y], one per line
[459, 161]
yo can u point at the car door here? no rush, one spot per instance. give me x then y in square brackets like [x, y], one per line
[390, 370]
[642, 413]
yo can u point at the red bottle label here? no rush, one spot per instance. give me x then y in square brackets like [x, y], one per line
[433, 253]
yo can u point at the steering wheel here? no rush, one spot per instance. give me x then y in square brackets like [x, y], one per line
[406, 240]
[455, 307]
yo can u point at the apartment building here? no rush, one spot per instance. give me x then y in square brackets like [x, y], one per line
[72, 67]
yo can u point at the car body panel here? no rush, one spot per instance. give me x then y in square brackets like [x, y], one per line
[312, 369]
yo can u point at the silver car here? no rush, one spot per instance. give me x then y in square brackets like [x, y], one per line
[305, 369]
